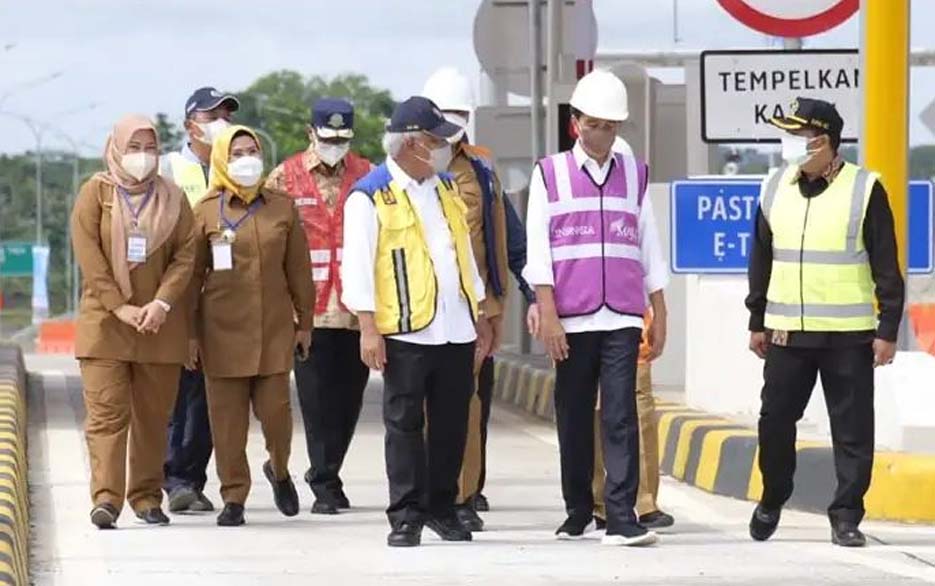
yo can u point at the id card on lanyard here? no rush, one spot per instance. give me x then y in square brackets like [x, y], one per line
[222, 248]
[137, 243]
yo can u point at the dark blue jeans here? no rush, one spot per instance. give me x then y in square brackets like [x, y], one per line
[190, 443]
[608, 358]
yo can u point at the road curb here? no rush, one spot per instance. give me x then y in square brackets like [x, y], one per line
[14, 489]
[719, 455]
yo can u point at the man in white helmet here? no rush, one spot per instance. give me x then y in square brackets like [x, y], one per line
[596, 264]
[498, 241]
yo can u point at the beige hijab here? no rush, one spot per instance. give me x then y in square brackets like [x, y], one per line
[156, 221]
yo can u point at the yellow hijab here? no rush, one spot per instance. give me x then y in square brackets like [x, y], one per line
[220, 155]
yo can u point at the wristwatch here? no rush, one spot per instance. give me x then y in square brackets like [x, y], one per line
[165, 306]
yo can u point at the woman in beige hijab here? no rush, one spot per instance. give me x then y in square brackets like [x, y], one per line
[132, 235]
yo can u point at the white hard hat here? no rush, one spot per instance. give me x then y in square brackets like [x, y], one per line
[450, 90]
[601, 94]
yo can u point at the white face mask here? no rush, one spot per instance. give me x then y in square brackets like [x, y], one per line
[211, 130]
[795, 149]
[457, 120]
[332, 154]
[138, 165]
[246, 171]
[441, 158]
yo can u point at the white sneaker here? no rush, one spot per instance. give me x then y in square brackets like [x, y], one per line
[647, 538]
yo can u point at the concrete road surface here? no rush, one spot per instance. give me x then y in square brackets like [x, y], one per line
[708, 545]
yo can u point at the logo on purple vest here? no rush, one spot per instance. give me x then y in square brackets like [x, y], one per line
[566, 231]
[625, 230]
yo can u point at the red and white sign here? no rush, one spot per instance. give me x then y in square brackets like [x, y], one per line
[791, 18]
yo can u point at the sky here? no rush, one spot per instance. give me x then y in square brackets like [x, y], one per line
[111, 57]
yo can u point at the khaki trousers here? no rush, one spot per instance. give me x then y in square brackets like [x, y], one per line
[128, 409]
[649, 449]
[469, 480]
[229, 401]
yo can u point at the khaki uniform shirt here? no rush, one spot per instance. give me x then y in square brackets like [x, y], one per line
[329, 181]
[246, 317]
[165, 275]
[473, 197]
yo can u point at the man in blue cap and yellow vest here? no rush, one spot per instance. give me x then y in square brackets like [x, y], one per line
[207, 113]
[331, 382]
[824, 249]
[410, 277]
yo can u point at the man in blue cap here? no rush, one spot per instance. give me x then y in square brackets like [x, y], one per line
[410, 277]
[207, 113]
[331, 382]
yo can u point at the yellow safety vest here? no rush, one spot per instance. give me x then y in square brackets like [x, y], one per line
[821, 279]
[405, 281]
[189, 176]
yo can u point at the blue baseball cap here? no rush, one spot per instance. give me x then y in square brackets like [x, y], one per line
[420, 113]
[333, 118]
[209, 98]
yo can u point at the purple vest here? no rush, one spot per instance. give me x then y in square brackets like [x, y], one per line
[595, 236]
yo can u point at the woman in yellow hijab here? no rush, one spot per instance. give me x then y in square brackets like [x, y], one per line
[254, 306]
[132, 235]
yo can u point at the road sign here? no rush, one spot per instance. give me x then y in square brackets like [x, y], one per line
[15, 259]
[742, 90]
[791, 18]
[501, 38]
[711, 225]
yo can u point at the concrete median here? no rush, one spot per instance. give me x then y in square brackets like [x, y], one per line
[719, 455]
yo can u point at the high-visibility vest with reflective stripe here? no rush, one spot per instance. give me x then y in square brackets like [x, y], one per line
[404, 277]
[820, 279]
[594, 235]
[324, 227]
[189, 176]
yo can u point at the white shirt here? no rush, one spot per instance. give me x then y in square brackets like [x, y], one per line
[452, 323]
[538, 269]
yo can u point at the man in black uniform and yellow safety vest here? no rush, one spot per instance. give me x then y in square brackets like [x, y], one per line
[824, 249]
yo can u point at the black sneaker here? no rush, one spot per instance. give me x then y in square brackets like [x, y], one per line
[104, 516]
[469, 518]
[480, 503]
[181, 498]
[405, 535]
[657, 520]
[763, 523]
[631, 535]
[574, 528]
[284, 493]
[231, 515]
[600, 524]
[202, 504]
[153, 516]
[342, 501]
[449, 528]
[320, 507]
[847, 534]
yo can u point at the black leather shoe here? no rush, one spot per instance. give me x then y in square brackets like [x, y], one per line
[342, 501]
[153, 516]
[480, 503]
[449, 528]
[763, 523]
[231, 515]
[600, 524]
[847, 534]
[406, 535]
[321, 507]
[469, 518]
[656, 520]
[284, 494]
[104, 516]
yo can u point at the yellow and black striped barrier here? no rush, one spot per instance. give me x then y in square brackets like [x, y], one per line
[14, 490]
[720, 456]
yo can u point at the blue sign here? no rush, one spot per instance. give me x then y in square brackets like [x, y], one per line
[711, 227]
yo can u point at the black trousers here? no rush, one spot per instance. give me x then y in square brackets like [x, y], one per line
[422, 466]
[190, 446]
[330, 386]
[847, 380]
[608, 358]
[485, 393]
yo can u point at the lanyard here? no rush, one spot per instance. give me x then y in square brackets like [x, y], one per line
[136, 212]
[232, 226]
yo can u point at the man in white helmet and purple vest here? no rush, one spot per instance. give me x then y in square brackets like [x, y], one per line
[596, 263]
